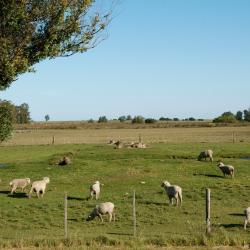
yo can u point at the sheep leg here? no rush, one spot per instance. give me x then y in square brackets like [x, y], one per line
[245, 224]
[100, 216]
[13, 190]
[91, 195]
[114, 216]
[110, 217]
[31, 190]
[96, 196]
[170, 201]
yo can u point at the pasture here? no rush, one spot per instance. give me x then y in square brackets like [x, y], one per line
[40, 222]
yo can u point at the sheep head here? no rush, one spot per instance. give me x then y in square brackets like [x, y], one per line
[165, 184]
[46, 180]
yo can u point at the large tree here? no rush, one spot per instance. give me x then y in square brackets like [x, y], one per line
[33, 30]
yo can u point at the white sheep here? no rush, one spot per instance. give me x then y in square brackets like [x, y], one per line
[102, 209]
[173, 192]
[226, 169]
[206, 154]
[247, 219]
[39, 187]
[19, 183]
[95, 190]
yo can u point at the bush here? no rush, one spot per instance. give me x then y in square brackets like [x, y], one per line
[150, 120]
[176, 119]
[138, 119]
[191, 119]
[226, 117]
[165, 119]
[6, 119]
[102, 119]
[122, 118]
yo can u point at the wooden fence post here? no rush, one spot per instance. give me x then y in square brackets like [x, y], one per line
[134, 214]
[65, 215]
[208, 226]
[53, 139]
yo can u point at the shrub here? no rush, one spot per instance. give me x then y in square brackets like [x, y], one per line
[165, 119]
[122, 118]
[6, 119]
[102, 119]
[227, 117]
[138, 119]
[150, 120]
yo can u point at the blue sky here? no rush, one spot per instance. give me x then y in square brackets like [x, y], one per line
[171, 58]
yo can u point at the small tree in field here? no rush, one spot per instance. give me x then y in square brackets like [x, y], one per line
[6, 118]
[47, 118]
[122, 118]
[102, 119]
[138, 119]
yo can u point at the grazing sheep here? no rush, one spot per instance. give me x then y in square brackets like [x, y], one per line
[39, 187]
[102, 209]
[95, 189]
[206, 154]
[173, 192]
[226, 169]
[138, 145]
[111, 142]
[119, 145]
[16, 183]
[247, 219]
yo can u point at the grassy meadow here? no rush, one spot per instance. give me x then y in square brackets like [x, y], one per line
[171, 156]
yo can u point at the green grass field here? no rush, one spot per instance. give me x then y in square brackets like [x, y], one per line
[40, 222]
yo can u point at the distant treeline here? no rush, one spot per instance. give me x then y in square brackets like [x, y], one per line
[140, 119]
[229, 117]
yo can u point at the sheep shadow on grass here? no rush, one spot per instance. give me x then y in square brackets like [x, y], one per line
[18, 195]
[153, 203]
[120, 234]
[210, 175]
[237, 214]
[4, 192]
[231, 225]
[77, 198]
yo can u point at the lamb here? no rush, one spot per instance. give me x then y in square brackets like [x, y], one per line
[102, 209]
[39, 187]
[95, 190]
[173, 192]
[16, 183]
[206, 154]
[226, 169]
[247, 219]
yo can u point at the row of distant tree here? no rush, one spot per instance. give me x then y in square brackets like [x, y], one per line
[229, 117]
[141, 119]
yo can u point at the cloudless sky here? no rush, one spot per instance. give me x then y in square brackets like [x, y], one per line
[171, 58]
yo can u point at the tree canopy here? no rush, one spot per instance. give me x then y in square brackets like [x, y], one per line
[33, 30]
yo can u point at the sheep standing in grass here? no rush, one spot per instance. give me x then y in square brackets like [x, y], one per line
[16, 183]
[247, 219]
[95, 190]
[206, 154]
[173, 192]
[226, 169]
[39, 187]
[102, 209]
